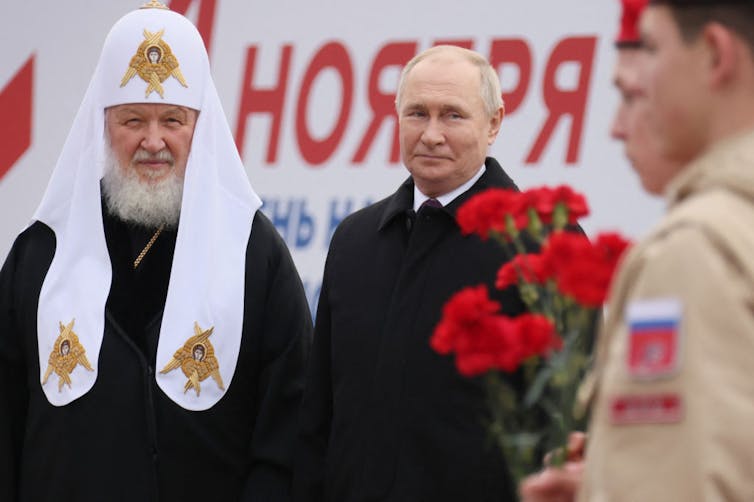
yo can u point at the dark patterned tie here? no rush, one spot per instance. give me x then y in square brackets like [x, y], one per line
[430, 203]
[410, 221]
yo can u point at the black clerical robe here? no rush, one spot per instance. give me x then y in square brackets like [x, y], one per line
[125, 440]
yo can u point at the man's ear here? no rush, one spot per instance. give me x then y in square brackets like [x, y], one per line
[724, 53]
[495, 121]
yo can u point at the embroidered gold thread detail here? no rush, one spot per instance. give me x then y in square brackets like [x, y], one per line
[66, 354]
[148, 246]
[154, 62]
[197, 361]
[154, 4]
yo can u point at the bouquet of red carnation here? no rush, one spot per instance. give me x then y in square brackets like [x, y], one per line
[563, 286]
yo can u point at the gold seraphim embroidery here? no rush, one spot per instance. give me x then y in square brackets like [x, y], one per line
[197, 360]
[154, 4]
[66, 354]
[154, 62]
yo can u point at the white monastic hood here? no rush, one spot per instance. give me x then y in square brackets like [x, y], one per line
[207, 278]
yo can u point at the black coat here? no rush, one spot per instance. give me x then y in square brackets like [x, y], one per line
[125, 440]
[384, 417]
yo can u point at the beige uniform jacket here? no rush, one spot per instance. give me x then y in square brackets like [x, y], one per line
[673, 405]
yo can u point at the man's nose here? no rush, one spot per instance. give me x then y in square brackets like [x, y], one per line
[433, 133]
[618, 128]
[153, 140]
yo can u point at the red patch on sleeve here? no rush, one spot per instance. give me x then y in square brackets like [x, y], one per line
[646, 409]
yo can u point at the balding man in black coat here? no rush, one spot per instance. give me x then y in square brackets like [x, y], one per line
[384, 417]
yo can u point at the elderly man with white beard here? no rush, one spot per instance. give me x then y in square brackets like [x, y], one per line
[153, 327]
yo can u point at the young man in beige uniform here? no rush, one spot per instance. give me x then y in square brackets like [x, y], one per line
[674, 395]
[629, 127]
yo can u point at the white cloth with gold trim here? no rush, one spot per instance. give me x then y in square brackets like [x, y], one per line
[207, 276]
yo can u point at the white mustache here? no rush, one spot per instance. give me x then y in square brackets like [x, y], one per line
[163, 155]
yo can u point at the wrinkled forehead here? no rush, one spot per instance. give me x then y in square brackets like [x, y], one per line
[127, 74]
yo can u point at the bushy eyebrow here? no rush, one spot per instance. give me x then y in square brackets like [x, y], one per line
[175, 110]
[410, 107]
[137, 110]
[414, 106]
[122, 110]
[452, 108]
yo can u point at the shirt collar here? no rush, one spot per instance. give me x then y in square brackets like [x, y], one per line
[447, 198]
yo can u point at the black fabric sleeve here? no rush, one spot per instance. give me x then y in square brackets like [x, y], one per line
[285, 341]
[316, 410]
[13, 392]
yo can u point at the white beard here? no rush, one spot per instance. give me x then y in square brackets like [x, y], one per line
[151, 204]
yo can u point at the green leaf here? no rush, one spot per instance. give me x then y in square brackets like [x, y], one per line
[538, 386]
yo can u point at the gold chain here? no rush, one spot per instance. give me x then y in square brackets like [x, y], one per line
[148, 246]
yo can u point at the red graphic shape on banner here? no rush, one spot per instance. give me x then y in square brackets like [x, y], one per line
[396, 55]
[516, 52]
[332, 55]
[16, 107]
[263, 100]
[206, 21]
[563, 103]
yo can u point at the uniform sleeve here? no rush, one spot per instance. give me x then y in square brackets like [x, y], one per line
[316, 410]
[13, 393]
[680, 431]
[287, 334]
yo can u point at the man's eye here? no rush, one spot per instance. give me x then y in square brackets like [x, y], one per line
[630, 96]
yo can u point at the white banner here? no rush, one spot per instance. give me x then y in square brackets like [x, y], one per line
[308, 89]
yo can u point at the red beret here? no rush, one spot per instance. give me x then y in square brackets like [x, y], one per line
[629, 22]
[703, 3]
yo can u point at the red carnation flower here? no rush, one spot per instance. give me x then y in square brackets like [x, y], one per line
[586, 282]
[546, 201]
[566, 282]
[538, 335]
[487, 212]
[466, 311]
[483, 340]
[611, 247]
[564, 248]
[584, 270]
[573, 201]
[528, 268]
[541, 201]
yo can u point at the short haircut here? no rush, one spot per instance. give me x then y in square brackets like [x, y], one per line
[691, 17]
[489, 87]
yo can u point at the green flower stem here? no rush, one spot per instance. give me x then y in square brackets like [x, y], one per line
[535, 227]
[560, 216]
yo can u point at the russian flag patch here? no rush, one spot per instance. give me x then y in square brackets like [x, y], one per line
[654, 337]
